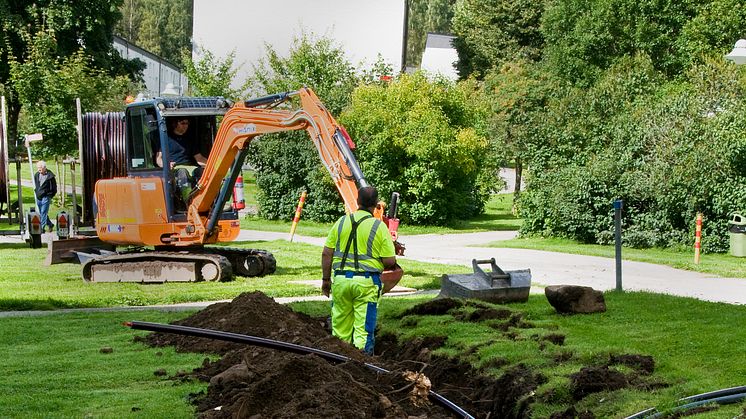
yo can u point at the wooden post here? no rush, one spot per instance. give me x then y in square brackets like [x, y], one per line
[698, 238]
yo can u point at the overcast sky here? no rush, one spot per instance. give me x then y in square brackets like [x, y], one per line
[364, 28]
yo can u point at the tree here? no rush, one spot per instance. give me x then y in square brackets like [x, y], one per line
[517, 94]
[491, 33]
[287, 163]
[418, 137]
[584, 38]
[425, 16]
[163, 27]
[84, 25]
[47, 86]
[211, 76]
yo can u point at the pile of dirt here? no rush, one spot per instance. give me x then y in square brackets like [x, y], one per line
[248, 381]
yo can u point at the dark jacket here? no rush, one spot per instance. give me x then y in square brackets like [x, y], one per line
[48, 188]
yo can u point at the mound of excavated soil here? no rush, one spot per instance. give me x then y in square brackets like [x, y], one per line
[249, 381]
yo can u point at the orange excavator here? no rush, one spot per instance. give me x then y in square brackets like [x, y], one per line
[143, 208]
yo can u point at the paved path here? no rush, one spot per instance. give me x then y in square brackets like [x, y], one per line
[551, 268]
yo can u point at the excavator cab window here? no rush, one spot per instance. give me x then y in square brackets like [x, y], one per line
[142, 127]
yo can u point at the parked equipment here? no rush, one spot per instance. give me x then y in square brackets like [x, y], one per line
[143, 208]
[496, 286]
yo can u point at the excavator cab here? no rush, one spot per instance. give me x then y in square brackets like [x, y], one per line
[144, 207]
[149, 125]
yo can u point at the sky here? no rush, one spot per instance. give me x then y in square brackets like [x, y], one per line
[363, 28]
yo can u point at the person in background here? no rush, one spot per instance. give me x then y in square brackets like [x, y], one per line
[45, 189]
[359, 249]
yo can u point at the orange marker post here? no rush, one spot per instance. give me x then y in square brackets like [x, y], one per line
[698, 238]
[297, 214]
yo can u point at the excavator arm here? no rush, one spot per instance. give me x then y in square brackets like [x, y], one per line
[244, 122]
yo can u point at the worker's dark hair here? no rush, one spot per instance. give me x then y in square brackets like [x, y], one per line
[367, 197]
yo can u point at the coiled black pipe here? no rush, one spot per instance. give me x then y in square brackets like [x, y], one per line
[104, 154]
[724, 396]
[275, 344]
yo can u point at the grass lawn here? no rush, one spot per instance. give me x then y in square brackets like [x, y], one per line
[497, 216]
[27, 284]
[719, 264]
[57, 369]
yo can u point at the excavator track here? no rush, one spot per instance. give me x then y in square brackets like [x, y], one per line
[247, 262]
[207, 264]
[158, 267]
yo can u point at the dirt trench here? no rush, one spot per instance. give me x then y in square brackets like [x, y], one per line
[255, 382]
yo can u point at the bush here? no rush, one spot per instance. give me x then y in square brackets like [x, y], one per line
[418, 137]
[672, 152]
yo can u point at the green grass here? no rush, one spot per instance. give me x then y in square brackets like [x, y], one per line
[723, 265]
[57, 370]
[27, 284]
[497, 216]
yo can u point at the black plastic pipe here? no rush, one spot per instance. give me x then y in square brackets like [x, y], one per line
[724, 396]
[276, 344]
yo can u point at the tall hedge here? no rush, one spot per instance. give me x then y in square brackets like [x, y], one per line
[421, 138]
[669, 150]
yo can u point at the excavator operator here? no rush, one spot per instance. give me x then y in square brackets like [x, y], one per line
[185, 158]
[359, 249]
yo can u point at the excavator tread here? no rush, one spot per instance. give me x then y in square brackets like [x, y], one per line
[247, 262]
[159, 267]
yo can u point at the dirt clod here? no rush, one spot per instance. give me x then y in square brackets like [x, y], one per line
[595, 379]
[436, 307]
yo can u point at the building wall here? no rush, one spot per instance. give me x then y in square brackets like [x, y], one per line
[158, 72]
[439, 56]
[364, 28]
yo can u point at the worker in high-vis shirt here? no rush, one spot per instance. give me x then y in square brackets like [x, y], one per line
[358, 249]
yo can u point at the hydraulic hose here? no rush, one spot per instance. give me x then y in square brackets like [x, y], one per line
[276, 344]
[724, 396]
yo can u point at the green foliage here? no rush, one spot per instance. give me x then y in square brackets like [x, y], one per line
[584, 38]
[425, 16]
[210, 75]
[47, 87]
[669, 151]
[163, 27]
[84, 25]
[288, 163]
[417, 137]
[491, 33]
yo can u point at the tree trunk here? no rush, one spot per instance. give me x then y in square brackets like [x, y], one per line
[517, 187]
[14, 109]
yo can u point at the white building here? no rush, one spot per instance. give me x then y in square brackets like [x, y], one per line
[157, 73]
[363, 28]
[440, 56]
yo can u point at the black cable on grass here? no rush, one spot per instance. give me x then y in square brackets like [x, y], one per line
[724, 396]
[276, 344]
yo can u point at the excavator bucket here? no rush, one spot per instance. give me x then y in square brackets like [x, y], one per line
[497, 286]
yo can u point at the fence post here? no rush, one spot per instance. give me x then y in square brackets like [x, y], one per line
[618, 204]
[698, 238]
[297, 214]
